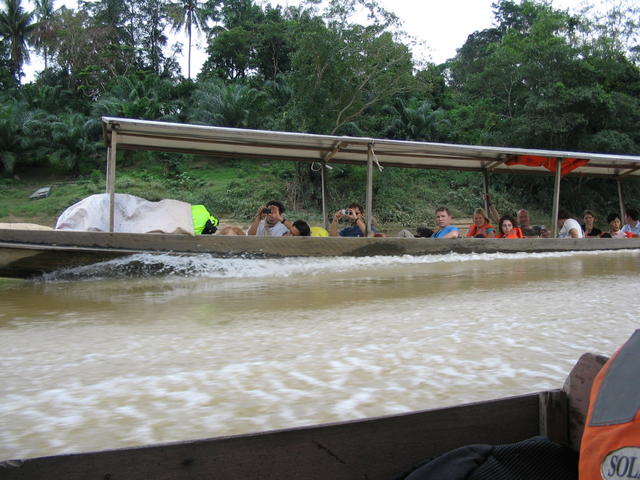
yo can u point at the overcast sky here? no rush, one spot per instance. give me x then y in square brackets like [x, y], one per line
[440, 26]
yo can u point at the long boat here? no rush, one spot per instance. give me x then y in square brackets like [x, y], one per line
[25, 253]
[380, 448]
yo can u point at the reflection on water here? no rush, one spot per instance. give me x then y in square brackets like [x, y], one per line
[109, 356]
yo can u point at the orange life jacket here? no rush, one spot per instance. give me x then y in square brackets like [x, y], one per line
[515, 233]
[610, 447]
[475, 230]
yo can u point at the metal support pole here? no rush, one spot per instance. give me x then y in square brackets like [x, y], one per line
[556, 198]
[621, 200]
[369, 206]
[325, 208]
[485, 189]
[111, 178]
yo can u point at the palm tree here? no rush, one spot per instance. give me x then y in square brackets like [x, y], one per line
[138, 96]
[413, 120]
[234, 105]
[187, 14]
[75, 141]
[42, 32]
[17, 144]
[16, 28]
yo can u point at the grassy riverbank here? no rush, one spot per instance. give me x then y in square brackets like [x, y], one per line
[232, 189]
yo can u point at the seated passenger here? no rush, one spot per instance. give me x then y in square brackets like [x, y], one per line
[203, 222]
[269, 221]
[523, 220]
[354, 214]
[633, 225]
[421, 232]
[613, 219]
[443, 221]
[569, 227]
[480, 227]
[230, 230]
[319, 232]
[588, 227]
[299, 228]
[529, 230]
[507, 228]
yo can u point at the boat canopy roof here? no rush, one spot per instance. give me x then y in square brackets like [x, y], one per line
[123, 133]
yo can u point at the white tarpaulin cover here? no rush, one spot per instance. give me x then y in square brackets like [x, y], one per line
[132, 215]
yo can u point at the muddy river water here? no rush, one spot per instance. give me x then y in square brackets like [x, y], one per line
[161, 349]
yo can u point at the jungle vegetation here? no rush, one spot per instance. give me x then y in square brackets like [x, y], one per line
[538, 78]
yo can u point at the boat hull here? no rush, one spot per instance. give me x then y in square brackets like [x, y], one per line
[26, 253]
[375, 448]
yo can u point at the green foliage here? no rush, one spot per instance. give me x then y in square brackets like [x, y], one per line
[415, 120]
[43, 32]
[16, 28]
[236, 105]
[15, 139]
[250, 40]
[143, 95]
[341, 71]
[540, 78]
[534, 85]
[74, 145]
[15, 204]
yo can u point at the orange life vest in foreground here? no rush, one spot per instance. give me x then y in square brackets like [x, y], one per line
[475, 230]
[515, 233]
[610, 447]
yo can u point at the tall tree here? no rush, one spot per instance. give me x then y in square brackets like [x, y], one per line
[115, 21]
[249, 41]
[188, 15]
[153, 20]
[43, 29]
[16, 27]
[341, 70]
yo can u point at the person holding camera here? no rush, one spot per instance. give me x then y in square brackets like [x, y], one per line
[269, 221]
[354, 214]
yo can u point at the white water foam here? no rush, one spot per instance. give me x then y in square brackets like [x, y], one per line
[208, 266]
[266, 344]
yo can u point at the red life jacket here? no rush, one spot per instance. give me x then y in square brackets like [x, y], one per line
[515, 233]
[474, 230]
[610, 447]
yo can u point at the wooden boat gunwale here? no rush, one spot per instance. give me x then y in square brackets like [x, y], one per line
[373, 448]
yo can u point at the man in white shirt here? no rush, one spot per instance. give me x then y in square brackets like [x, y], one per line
[633, 225]
[269, 221]
[569, 227]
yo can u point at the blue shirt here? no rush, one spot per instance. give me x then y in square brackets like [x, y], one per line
[446, 230]
[353, 231]
[628, 228]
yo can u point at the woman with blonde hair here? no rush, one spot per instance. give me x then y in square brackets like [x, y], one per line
[480, 228]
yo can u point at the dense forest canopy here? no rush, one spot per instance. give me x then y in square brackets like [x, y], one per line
[538, 78]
